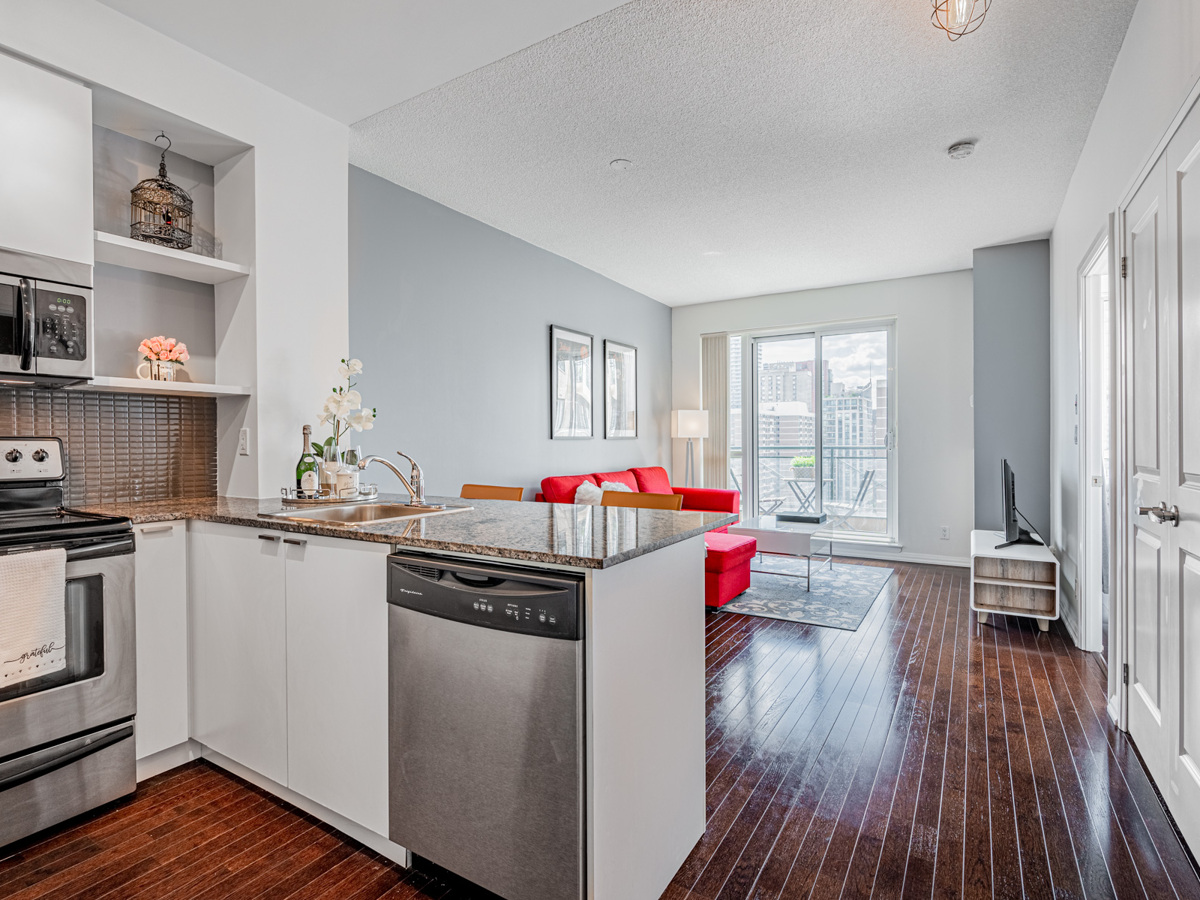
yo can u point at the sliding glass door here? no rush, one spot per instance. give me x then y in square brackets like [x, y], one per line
[785, 424]
[820, 435]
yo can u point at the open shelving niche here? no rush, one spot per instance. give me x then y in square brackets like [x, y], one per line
[234, 204]
[123, 251]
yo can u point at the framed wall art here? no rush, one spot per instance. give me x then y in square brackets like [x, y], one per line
[620, 391]
[570, 384]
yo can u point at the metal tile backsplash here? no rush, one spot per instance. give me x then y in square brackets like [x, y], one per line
[122, 447]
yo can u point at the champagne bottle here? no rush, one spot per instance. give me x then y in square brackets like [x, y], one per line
[307, 474]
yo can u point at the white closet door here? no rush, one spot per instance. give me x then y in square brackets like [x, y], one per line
[1148, 299]
[1182, 487]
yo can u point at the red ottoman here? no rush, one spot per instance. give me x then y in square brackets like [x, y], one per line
[726, 566]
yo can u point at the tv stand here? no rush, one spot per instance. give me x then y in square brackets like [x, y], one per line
[1013, 580]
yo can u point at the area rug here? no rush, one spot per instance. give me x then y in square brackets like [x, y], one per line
[839, 598]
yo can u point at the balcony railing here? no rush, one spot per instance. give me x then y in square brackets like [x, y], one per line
[783, 487]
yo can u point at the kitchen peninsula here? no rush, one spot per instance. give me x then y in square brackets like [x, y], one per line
[286, 649]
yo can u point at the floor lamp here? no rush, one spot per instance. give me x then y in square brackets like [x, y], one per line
[690, 424]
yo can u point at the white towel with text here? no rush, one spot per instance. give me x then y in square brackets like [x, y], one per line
[33, 620]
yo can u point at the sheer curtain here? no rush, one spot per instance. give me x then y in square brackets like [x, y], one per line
[714, 397]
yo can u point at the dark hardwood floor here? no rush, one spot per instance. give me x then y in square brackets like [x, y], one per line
[919, 756]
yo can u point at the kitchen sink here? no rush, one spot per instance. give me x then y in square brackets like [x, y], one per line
[361, 513]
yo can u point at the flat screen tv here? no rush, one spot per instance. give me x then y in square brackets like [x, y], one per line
[1013, 532]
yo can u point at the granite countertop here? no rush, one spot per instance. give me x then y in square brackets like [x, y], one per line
[590, 537]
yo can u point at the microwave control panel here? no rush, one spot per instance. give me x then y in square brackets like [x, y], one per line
[61, 325]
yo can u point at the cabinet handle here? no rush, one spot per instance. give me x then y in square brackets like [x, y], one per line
[163, 529]
[268, 537]
[295, 543]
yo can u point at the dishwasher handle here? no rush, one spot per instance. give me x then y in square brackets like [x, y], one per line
[515, 600]
[481, 581]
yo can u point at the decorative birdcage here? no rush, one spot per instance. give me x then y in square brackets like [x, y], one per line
[160, 211]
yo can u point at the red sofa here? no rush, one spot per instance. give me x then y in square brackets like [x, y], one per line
[727, 561]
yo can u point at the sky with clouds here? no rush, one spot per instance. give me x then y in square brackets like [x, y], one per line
[854, 359]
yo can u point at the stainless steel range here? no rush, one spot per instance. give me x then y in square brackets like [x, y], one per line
[66, 728]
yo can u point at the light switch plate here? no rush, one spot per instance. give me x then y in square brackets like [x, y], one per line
[244, 442]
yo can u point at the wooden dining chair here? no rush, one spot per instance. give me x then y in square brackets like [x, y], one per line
[490, 492]
[642, 500]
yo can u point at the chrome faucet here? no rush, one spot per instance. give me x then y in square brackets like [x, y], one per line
[415, 485]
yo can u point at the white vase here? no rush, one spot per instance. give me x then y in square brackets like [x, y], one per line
[156, 370]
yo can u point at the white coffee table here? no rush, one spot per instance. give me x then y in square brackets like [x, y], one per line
[784, 538]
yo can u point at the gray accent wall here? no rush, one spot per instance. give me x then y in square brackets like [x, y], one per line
[451, 319]
[1012, 380]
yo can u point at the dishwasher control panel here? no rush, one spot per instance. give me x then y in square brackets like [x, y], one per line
[517, 600]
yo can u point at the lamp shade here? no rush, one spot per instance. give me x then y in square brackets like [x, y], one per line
[689, 423]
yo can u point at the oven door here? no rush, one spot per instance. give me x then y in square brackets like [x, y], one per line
[17, 319]
[98, 685]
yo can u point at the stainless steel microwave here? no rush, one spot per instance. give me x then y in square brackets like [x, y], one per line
[46, 332]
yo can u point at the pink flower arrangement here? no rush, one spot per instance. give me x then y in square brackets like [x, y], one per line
[163, 349]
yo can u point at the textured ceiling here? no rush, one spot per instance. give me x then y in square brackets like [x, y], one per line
[352, 58]
[776, 144]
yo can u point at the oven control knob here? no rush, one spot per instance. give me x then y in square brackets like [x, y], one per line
[13, 455]
[40, 455]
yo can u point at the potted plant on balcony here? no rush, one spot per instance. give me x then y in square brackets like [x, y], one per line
[803, 467]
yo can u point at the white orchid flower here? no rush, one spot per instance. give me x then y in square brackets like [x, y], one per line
[354, 398]
[362, 420]
[350, 368]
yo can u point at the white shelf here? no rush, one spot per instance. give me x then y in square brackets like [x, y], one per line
[1010, 582]
[170, 388]
[123, 251]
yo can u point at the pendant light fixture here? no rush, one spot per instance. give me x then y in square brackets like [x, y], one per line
[959, 17]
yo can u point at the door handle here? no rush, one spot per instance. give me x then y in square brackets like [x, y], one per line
[163, 529]
[28, 325]
[1161, 514]
[268, 537]
[295, 543]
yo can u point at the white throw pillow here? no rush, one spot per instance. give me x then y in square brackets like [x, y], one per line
[615, 486]
[587, 494]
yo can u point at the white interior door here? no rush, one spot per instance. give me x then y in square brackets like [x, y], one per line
[1147, 293]
[1183, 484]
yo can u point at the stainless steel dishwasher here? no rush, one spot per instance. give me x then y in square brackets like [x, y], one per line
[486, 751]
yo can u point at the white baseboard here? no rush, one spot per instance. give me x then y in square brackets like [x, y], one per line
[165, 760]
[1069, 611]
[365, 836]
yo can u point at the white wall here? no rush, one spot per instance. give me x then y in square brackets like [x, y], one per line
[1158, 64]
[934, 376]
[298, 291]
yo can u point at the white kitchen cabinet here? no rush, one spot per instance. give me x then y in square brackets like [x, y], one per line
[161, 615]
[238, 645]
[337, 676]
[45, 163]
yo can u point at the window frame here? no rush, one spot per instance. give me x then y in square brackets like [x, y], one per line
[750, 404]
